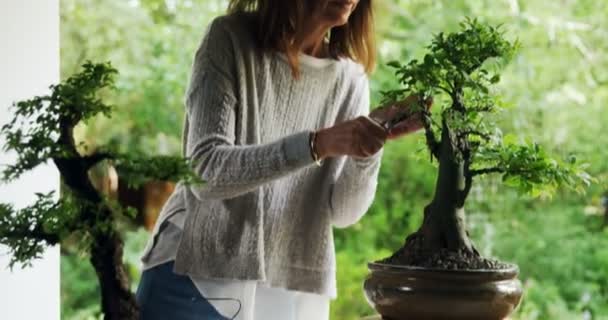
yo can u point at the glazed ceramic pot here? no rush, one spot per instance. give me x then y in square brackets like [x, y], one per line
[411, 293]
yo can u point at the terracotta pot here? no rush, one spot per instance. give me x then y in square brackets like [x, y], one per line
[410, 293]
[147, 199]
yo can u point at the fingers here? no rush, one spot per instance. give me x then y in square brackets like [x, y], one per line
[405, 127]
[371, 137]
[363, 137]
[408, 112]
[384, 113]
[414, 100]
[369, 147]
[410, 105]
[375, 120]
[410, 100]
[373, 127]
[402, 129]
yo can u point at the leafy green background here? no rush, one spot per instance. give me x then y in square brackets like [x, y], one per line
[556, 88]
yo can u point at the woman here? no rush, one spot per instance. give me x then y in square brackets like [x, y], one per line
[276, 125]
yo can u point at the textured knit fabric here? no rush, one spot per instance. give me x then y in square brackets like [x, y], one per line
[266, 210]
[256, 300]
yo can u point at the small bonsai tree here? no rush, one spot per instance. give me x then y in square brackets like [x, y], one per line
[41, 130]
[458, 71]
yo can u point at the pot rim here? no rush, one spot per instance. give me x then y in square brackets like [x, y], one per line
[511, 271]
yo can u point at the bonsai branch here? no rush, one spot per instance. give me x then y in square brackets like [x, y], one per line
[449, 91]
[485, 108]
[468, 178]
[93, 159]
[486, 136]
[36, 234]
[483, 171]
[431, 139]
[457, 99]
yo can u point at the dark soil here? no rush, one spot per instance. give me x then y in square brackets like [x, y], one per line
[412, 254]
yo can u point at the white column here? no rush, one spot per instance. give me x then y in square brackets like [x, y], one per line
[29, 63]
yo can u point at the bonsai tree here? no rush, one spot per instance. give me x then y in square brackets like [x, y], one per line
[458, 71]
[43, 129]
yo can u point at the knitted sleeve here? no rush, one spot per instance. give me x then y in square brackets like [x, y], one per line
[353, 189]
[229, 170]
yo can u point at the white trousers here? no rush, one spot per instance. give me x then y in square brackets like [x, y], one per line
[250, 300]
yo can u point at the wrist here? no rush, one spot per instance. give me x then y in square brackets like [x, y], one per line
[319, 144]
[312, 140]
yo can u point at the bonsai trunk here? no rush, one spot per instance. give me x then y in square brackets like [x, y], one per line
[117, 301]
[444, 225]
[442, 240]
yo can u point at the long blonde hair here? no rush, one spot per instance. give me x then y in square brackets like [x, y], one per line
[279, 23]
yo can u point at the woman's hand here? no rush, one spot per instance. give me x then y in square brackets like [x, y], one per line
[359, 138]
[364, 136]
[413, 118]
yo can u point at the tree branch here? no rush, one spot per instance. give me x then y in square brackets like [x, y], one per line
[468, 178]
[484, 108]
[36, 234]
[446, 90]
[91, 160]
[457, 103]
[468, 184]
[478, 172]
[481, 134]
[431, 140]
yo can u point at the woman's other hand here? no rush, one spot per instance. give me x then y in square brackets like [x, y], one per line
[413, 118]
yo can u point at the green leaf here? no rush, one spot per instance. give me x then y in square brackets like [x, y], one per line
[394, 64]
